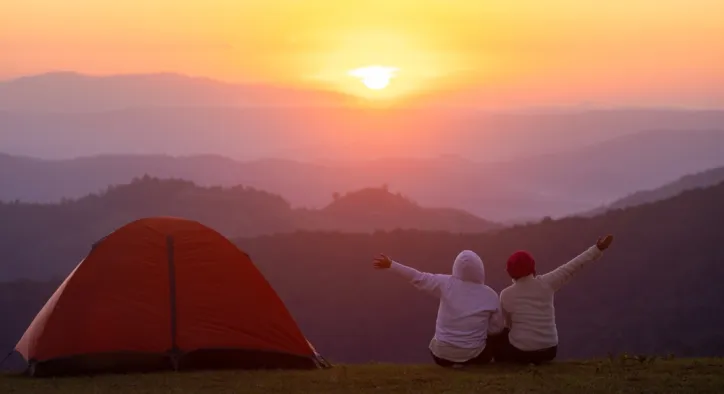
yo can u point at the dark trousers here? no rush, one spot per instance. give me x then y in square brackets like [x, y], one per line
[504, 352]
[483, 358]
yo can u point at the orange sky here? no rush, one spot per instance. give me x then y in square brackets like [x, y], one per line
[518, 52]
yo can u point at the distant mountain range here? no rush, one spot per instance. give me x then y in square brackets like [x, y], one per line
[67, 135]
[657, 291]
[699, 180]
[66, 115]
[554, 185]
[73, 225]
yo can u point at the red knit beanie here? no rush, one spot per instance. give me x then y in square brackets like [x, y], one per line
[521, 264]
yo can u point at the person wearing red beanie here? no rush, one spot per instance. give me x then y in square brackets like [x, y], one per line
[531, 336]
[520, 264]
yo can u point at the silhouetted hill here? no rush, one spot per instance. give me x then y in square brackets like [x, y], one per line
[73, 225]
[656, 291]
[698, 180]
[379, 209]
[549, 185]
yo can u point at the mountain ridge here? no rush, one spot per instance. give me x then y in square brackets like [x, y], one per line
[700, 179]
[236, 211]
[553, 185]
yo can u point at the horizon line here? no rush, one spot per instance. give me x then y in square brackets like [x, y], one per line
[345, 100]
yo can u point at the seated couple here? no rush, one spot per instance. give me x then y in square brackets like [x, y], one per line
[475, 326]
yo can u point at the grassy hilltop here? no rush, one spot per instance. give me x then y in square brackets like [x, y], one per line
[606, 376]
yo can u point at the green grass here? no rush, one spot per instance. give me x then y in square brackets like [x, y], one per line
[608, 376]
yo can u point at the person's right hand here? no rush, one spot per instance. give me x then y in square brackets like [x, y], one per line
[382, 262]
[604, 243]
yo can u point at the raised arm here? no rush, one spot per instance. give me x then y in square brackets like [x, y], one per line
[563, 274]
[424, 281]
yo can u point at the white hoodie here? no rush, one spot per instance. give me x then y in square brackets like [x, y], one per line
[468, 310]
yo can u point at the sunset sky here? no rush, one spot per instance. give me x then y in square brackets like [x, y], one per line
[522, 52]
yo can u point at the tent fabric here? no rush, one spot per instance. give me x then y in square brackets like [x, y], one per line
[165, 292]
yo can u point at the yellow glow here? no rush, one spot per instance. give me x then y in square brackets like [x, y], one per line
[516, 52]
[420, 68]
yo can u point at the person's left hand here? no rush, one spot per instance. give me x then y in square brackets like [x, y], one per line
[382, 262]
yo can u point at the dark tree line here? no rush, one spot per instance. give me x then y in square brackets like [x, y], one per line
[41, 240]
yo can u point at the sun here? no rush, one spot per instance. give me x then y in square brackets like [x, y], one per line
[374, 77]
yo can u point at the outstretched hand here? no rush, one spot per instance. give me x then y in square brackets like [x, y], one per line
[382, 262]
[604, 243]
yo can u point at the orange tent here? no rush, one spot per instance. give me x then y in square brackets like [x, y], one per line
[164, 293]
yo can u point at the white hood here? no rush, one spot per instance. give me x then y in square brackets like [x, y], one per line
[468, 267]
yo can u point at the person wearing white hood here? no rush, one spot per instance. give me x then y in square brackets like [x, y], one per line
[469, 310]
